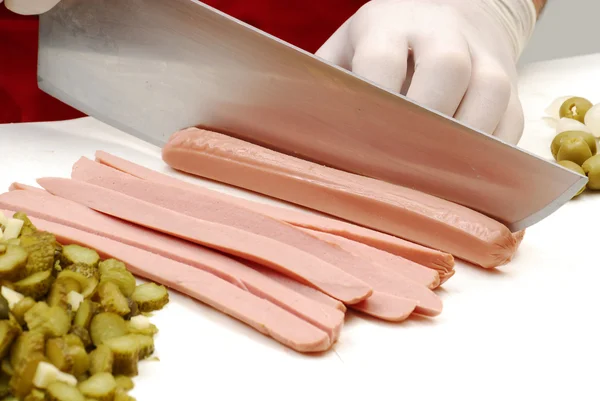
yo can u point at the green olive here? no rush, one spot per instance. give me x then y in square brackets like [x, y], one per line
[586, 136]
[573, 167]
[592, 168]
[575, 150]
[575, 108]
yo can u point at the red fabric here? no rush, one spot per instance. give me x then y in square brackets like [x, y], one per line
[304, 23]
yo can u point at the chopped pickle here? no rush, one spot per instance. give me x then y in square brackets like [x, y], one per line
[124, 383]
[149, 330]
[35, 395]
[80, 357]
[9, 331]
[21, 308]
[106, 325]
[60, 290]
[21, 383]
[134, 310]
[35, 286]
[111, 298]
[12, 262]
[58, 354]
[57, 302]
[83, 335]
[58, 391]
[85, 270]
[121, 277]
[52, 321]
[121, 395]
[101, 360]
[28, 227]
[4, 386]
[101, 387]
[73, 254]
[28, 342]
[7, 367]
[150, 297]
[41, 247]
[110, 264]
[126, 353]
[87, 285]
[57, 267]
[85, 313]
[145, 345]
[4, 308]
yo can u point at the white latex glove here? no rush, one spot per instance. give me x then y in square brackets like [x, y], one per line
[30, 7]
[455, 56]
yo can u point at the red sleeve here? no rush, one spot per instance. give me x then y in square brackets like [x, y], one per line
[304, 23]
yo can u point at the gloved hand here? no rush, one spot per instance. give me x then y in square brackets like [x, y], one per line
[455, 56]
[30, 7]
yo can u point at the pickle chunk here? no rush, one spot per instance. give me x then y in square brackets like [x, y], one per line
[58, 391]
[75, 254]
[101, 360]
[150, 297]
[12, 262]
[107, 325]
[41, 247]
[111, 298]
[52, 321]
[35, 286]
[101, 387]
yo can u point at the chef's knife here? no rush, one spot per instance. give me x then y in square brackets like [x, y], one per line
[152, 67]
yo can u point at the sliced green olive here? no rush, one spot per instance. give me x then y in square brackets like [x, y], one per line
[575, 108]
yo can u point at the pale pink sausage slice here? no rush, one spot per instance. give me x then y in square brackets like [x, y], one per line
[300, 288]
[258, 313]
[388, 281]
[209, 208]
[62, 211]
[382, 306]
[265, 251]
[420, 274]
[16, 186]
[386, 307]
[434, 259]
[412, 215]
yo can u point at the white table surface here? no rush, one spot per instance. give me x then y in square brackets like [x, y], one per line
[528, 331]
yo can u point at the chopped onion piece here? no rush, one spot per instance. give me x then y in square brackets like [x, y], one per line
[12, 229]
[569, 124]
[554, 108]
[592, 120]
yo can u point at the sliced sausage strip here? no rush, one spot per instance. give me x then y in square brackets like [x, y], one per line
[300, 288]
[212, 209]
[389, 281]
[16, 186]
[262, 250]
[386, 307]
[420, 274]
[434, 259]
[258, 313]
[412, 215]
[68, 213]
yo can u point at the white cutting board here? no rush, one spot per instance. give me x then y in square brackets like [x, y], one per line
[528, 331]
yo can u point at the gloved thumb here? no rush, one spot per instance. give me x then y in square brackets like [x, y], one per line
[30, 7]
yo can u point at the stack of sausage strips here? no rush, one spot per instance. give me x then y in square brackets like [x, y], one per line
[289, 274]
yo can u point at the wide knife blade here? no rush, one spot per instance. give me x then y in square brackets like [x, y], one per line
[152, 67]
